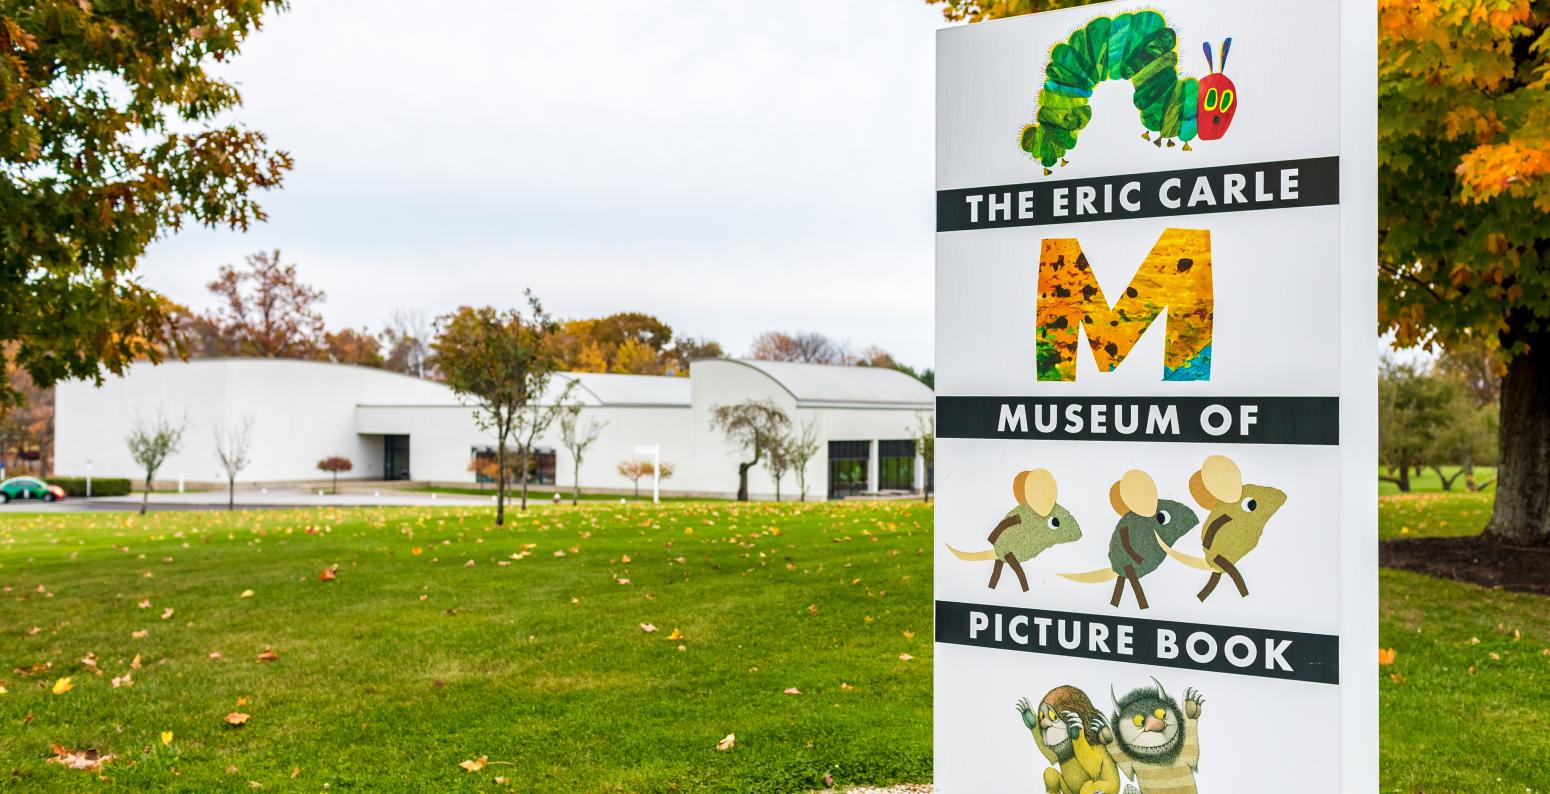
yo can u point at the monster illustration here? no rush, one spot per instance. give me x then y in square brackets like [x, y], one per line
[1140, 47]
[1036, 524]
[1147, 526]
[1155, 742]
[1238, 514]
[1072, 735]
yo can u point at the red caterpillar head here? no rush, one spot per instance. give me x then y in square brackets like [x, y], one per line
[1218, 101]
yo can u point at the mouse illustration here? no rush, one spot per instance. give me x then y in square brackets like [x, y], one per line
[1238, 514]
[1147, 526]
[1028, 530]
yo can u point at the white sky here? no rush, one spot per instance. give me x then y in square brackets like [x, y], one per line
[729, 166]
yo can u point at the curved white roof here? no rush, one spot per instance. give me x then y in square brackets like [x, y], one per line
[824, 383]
[601, 388]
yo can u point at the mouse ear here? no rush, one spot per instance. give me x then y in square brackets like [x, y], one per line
[1138, 492]
[1222, 478]
[1116, 501]
[1038, 489]
[1197, 489]
[1017, 487]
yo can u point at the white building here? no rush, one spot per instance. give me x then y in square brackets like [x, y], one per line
[395, 427]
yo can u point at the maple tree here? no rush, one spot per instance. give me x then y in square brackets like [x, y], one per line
[629, 343]
[113, 132]
[1464, 195]
[266, 311]
[334, 464]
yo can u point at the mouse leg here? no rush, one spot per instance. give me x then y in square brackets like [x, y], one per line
[1232, 571]
[1210, 585]
[1017, 568]
[1119, 592]
[1135, 584]
[995, 574]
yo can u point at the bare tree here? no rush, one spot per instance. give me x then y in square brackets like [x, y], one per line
[149, 444]
[232, 445]
[778, 459]
[808, 347]
[408, 340]
[577, 434]
[925, 445]
[802, 448]
[527, 425]
[752, 426]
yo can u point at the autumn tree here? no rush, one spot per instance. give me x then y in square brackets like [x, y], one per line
[752, 427]
[499, 362]
[233, 452]
[407, 340]
[629, 343]
[150, 444]
[350, 346]
[113, 133]
[333, 465]
[578, 433]
[265, 310]
[532, 421]
[27, 427]
[807, 347]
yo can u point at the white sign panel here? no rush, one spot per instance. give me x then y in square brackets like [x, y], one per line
[1156, 526]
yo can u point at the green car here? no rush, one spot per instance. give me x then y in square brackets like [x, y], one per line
[29, 488]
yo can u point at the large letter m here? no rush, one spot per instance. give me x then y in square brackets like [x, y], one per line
[1175, 277]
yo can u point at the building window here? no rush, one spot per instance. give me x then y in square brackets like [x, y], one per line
[896, 465]
[540, 466]
[848, 467]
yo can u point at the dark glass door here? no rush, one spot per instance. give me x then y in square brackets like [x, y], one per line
[848, 467]
[395, 457]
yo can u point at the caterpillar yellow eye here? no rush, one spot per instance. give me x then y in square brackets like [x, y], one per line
[1211, 98]
[1228, 97]
[1138, 720]
[1159, 714]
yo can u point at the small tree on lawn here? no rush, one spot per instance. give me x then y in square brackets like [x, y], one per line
[334, 464]
[752, 426]
[802, 448]
[634, 469]
[499, 362]
[778, 459]
[577, 434]
[535, 419]
[925, 446]
[149, 444]
[231, 451]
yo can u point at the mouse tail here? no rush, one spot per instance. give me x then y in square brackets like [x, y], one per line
[1198, 563]
[1092, 577]
[972, 556]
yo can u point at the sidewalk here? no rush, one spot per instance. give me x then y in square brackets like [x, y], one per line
[279, 498]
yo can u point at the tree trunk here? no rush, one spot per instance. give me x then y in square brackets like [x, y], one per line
[145, 497]
[524, 476]
[742, 481]
[575, 494]
[500, 482]
[637, 487]
[336, 482]
[231, 493]
[1522, 513]
[777, 489]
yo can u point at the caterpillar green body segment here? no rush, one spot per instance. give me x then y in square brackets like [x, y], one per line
[1139, 47]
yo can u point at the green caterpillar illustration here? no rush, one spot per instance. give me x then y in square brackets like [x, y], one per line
[1142, 48]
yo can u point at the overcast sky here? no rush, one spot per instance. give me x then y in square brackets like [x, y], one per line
[728, 166]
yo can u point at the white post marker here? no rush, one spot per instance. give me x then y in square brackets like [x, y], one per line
[88, 478]
[1156, 522]
[655, 451]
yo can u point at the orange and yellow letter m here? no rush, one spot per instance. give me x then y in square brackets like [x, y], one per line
[1176, 277]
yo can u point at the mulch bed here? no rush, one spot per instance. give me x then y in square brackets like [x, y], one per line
[1474, 560]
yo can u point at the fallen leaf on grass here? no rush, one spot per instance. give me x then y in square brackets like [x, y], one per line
[844, 687]
[141, 634]
[904, 657]
[417, 551]
[166, 737]
[63, 685]
[145, 603]
[676, 635]
[727, 743]
[268, 655]
[791, 690]
[647, 627]
[475, 764]
[327, 575]
[247, 593]
[236, 718]
[1386, 656]
[134, 664]
[127, 679]
[89, 760]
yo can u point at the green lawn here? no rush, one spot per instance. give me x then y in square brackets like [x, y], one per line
[408, 664]
[546, 494]
[1429, 482]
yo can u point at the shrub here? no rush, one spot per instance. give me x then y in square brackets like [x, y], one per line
[100, 486]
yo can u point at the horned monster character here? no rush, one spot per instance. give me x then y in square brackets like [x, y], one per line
[1157, 742]
[1072, 734]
